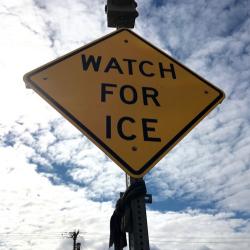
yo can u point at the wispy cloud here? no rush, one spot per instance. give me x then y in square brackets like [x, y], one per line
[54, 180]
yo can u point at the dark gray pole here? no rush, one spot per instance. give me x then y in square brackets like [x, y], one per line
[74, 243]
[74, 237]
[78, 246]
[138, 238]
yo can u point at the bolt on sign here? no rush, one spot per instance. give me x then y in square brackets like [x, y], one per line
[128, 97]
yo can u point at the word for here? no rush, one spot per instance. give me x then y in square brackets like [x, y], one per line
[128, 94]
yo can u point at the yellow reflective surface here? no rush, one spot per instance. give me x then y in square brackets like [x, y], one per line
[135, 75]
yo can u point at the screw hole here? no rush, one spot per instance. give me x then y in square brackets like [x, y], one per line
[126, 41]
[45, 78]
[134, 148]
[206, 92]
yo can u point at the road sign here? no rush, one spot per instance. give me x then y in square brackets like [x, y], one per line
[131, 99]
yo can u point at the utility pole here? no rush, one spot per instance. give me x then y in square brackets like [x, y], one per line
[74, 235]
[78, 246]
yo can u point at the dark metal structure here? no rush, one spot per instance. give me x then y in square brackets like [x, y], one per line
[138, 237]
[130, 217]
[74, 235]
[121, 13]
[78, 246]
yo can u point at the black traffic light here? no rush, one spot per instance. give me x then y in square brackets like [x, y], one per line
[121, 13]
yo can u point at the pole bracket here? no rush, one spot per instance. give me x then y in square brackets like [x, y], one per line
[148, 198]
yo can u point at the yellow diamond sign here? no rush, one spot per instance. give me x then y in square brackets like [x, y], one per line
[131, 99]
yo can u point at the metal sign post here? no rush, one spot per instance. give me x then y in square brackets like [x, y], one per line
[122, 14]
[138, 238]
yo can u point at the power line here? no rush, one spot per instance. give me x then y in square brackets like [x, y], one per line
[201, 242]
[227, 239]
[66, 234]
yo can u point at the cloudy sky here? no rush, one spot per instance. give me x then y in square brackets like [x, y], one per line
[53, 180]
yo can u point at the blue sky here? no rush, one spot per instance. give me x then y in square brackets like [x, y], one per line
[53, 180]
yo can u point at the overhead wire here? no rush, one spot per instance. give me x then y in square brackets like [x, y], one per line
[226, 239]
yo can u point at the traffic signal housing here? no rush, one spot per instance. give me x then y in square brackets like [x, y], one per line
[121, 13]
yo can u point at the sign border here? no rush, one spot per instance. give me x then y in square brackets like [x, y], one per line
[91, 135]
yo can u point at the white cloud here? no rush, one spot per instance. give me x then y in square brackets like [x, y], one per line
[31, 204]
[211, 165]
[211, 162]
[194, 230]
